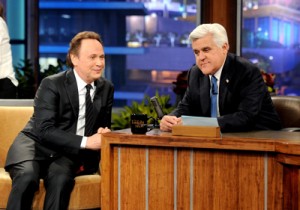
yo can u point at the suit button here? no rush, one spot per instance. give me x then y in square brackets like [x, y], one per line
[51, 155]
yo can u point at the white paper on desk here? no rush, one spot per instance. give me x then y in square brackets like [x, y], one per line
[199, 121]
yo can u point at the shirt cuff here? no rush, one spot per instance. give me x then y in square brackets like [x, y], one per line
[83, 142]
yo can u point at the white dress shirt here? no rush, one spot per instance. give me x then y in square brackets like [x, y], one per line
[6, 66]
[81, 115]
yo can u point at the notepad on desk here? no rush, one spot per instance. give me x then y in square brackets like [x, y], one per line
[197, 126]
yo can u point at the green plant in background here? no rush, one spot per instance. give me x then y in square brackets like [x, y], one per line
[121, 120]
[61, 66]
[27, 82]
[25, 75]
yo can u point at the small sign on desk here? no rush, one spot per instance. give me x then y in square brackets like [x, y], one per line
[197, 126]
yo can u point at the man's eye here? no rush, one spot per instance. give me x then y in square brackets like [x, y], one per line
[205, 49]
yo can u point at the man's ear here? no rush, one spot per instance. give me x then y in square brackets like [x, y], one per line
[225, 46]
[74, 59]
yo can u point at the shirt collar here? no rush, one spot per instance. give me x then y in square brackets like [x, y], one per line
[218, 73]
[80, 83]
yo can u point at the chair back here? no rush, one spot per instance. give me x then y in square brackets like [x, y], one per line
[12, 121]
[288, 109]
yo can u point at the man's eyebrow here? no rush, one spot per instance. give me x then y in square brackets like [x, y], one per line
[205, 48]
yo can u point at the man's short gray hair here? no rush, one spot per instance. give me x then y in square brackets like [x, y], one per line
[216, 30]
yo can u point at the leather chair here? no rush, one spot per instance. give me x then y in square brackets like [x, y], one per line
[87, 189]
[288, 109]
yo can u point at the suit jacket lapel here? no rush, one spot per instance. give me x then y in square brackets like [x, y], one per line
[72, 93]
[224, 82]
[97, 98]
[204, 88]
[71, 85]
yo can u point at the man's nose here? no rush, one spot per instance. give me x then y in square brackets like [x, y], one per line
[201, 55]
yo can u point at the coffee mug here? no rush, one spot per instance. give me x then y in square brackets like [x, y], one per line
[139, 124]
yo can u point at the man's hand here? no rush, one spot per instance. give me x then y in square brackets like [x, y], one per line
[167, 122]
[93, 142]
[103, 130]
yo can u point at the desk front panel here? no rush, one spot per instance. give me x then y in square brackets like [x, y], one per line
[149, 177]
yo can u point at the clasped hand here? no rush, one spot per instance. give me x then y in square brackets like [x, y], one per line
[94, 142]
[167, 122]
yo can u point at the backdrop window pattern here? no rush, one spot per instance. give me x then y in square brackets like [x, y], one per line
[146, 42]
[271, 39]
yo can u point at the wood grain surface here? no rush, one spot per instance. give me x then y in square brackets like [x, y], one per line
[254, 170]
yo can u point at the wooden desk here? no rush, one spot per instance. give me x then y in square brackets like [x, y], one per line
[253, 170]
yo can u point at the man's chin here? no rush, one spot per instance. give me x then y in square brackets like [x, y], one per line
[97, 75]
[206, 71]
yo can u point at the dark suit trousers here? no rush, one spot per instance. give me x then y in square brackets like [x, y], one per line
[7, 89]
[58, 178]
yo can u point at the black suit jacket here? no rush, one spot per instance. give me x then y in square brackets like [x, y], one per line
[244, 101]
[51, 131]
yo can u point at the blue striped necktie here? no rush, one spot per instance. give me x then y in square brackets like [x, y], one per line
[214, 97]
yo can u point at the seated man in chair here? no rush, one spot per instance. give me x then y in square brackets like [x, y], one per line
[63, 137]
[223, 86]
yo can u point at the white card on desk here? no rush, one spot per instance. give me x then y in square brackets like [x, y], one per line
[199, 121]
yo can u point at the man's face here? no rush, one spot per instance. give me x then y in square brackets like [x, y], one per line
[209, 57]
[90, 61]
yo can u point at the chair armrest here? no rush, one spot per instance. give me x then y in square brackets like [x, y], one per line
[291, 129]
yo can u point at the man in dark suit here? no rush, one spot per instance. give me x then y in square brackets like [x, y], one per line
[243, 102]
[53, 145]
